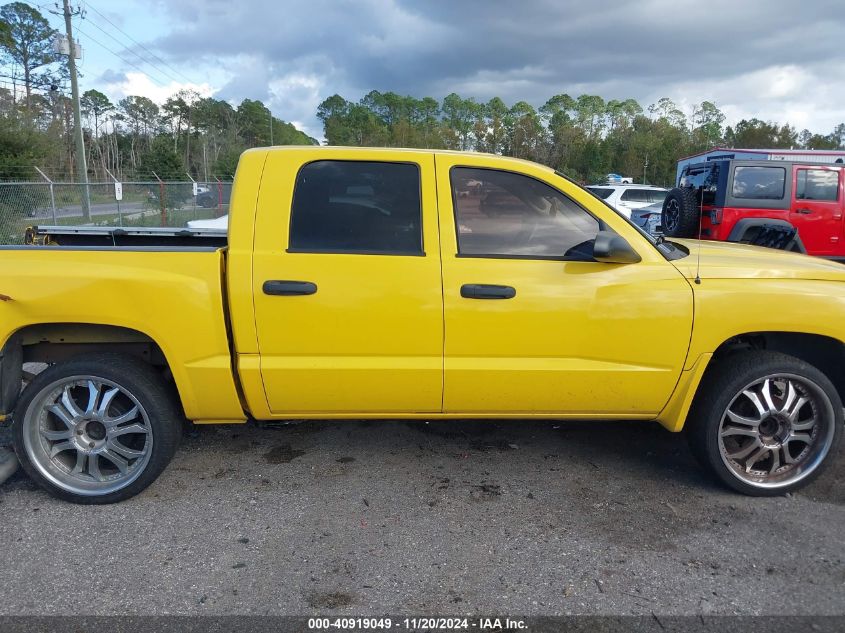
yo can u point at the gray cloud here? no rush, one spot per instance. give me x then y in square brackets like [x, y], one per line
[111, 76]
[532, 49]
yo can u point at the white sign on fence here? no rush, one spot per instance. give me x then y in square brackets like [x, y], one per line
[118, 191]
[196, 189]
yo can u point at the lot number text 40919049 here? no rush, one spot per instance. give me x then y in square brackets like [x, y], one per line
[413, 624]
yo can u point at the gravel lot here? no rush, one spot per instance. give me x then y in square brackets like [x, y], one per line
[364, 518]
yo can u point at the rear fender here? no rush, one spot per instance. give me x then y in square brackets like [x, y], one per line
[749, 228]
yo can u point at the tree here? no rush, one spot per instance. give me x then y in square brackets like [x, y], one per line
[761, 134]
[141, 114]
[707, 122]
[254, 121]
[162, 160]
[498, 121]
[525, 130]
[839, 136]
[26, 42]
[589, 111]
[666, 110]
[95, 104]
[459, 115]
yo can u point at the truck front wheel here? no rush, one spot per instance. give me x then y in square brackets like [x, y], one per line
[765, 423]
[96, 429]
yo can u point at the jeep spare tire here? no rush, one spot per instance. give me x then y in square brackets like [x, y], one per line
[680, 213]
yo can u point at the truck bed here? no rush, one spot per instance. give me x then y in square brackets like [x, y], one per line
[114, 236]
[170, 295]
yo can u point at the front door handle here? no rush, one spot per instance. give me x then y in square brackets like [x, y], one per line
[487, 291]
[803, 211]
[286, 288]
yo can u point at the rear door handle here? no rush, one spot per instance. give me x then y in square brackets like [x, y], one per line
[487, 291]
[286, 288]
[803, 211]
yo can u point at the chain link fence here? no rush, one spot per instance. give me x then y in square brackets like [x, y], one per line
[141, 204]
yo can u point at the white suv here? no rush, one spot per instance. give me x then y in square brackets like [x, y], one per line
[625, 198]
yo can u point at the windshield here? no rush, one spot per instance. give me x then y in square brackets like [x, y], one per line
[669, 250]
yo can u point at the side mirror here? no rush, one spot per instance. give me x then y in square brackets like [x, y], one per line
[613, 249]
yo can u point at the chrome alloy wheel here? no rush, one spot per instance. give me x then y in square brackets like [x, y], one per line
[776, 431]
[87, 435]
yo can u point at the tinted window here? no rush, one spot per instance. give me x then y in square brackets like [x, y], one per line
[601, 192]
[357, 207]
[817, 184]
[761, 183]
[648, 196]
[703, 179]
[502, 213]
[636, 195]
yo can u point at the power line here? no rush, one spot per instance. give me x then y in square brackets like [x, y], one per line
[123, 59]
[145, 61]
[88, 4]
[161, 71]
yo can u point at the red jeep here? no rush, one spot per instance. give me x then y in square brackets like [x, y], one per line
[792, 206]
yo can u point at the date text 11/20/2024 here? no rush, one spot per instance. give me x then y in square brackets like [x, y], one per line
[414, 624]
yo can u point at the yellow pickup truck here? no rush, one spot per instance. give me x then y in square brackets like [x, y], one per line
[412, 284]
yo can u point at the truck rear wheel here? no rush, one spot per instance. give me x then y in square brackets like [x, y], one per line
[96, 429]
[765, 423]
[680, 216]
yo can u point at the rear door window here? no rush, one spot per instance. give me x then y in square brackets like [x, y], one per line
[357, 207]
[759, 183]
[817, 184]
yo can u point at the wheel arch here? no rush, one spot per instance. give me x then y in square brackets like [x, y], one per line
[745, 225]
[54, 342]
[825, 353]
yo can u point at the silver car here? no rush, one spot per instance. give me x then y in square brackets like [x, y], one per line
[648, 218]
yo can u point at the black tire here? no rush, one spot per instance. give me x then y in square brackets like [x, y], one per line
[680, 216]
[207, 202]
[161, 416]
[723, 387]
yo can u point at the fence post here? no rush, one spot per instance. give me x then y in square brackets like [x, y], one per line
[219, 195]
[162, 193]
[52, 195]
[119, 214]
[193, 193]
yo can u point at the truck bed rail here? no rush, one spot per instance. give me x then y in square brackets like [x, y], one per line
[119, 236]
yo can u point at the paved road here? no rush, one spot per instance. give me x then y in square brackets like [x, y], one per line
[106, 208]
[359, 518]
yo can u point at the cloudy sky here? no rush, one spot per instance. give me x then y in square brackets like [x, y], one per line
[772, 59]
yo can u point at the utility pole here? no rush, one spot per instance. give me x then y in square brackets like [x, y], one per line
[81, 166]
[645, 169]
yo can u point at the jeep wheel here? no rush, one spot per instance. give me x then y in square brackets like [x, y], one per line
[680, 215]
[765, 423]
[96, 429]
